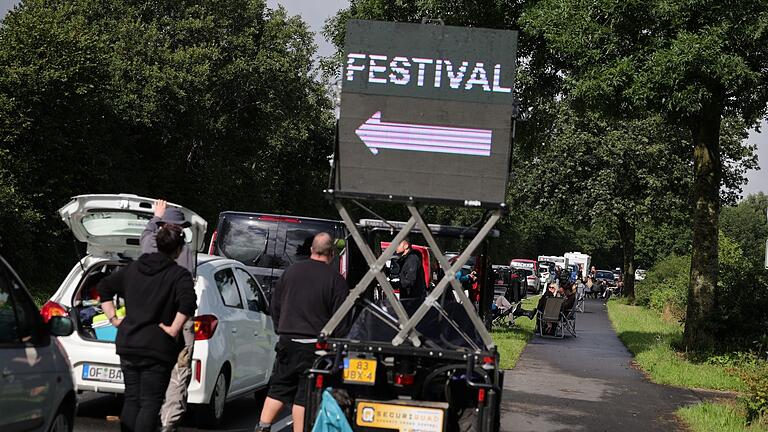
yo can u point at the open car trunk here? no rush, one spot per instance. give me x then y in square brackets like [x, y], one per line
[90, 320]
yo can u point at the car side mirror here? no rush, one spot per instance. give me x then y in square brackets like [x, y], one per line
[61, 326]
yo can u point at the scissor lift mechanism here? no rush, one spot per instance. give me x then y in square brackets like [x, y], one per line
[407, 325]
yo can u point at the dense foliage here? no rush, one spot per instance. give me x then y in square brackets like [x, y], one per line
[208, 104]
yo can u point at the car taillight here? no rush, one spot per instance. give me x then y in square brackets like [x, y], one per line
[52, 309]
[205, 326]
[404, 379]
[212, 247]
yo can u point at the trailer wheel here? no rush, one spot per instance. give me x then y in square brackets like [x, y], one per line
[468, 420]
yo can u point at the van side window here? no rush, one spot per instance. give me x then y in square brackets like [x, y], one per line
[225, 282]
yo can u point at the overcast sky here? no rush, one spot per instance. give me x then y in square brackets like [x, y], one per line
[315, 12]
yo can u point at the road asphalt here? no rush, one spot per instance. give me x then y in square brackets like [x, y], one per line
[587, 383]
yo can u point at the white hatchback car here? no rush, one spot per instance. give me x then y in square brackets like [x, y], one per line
[234, 336]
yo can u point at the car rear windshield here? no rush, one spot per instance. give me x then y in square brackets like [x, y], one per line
[104, 223]
[244, 239]
[269, 241]
[604, 275]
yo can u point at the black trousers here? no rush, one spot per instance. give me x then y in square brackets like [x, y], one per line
[146, 381]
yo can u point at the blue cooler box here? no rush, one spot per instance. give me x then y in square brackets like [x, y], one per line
[105, 331]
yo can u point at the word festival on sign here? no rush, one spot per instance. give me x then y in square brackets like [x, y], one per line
[399, 71]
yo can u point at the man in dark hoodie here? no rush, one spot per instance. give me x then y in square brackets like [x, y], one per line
[412, 282]
[176, 396]
[159, 298]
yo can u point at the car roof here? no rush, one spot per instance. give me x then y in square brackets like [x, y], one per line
[205, 259]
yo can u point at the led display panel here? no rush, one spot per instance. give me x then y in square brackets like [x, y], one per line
[426, 112]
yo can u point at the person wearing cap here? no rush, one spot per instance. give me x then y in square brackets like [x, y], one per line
[176, 395]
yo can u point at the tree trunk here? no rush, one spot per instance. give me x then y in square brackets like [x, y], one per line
[627, 235]
[704, 258]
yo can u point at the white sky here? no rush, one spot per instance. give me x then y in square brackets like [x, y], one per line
[315, 12]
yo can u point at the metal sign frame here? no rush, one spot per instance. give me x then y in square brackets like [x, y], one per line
[407, 324]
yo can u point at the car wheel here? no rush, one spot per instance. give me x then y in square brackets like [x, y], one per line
[61, 423]
[211, 414]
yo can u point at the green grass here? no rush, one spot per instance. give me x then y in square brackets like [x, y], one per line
[652, 339]
[713, 417]
[511, 342]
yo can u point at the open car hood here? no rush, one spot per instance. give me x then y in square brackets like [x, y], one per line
[114, 223]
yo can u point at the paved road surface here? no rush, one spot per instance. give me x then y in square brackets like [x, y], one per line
[586, 384]
[98, 413]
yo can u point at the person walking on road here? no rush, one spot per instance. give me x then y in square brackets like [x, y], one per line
[412, 282]
[175, 404]
[159, 298]
[311, 291]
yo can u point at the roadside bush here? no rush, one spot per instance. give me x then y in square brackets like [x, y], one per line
[665, 287]
[741, 320]
[755, 379]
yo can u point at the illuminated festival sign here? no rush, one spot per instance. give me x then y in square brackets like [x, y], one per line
[426, 112]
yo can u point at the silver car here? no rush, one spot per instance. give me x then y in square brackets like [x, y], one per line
[36, 389]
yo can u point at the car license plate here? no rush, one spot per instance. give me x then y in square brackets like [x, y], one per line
[359, 371]
[401, 417]
[92, 372]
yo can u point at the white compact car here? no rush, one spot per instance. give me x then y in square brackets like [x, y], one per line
[234, 336]
[36, 390]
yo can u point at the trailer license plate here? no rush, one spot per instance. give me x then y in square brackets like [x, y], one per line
[398, 417]
[103, 373]
[359, 371]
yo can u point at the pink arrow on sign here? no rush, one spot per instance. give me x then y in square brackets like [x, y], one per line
[377, 135]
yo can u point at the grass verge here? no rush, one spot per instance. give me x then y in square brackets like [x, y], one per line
[511, 342]
[651, 340]
[713, 417]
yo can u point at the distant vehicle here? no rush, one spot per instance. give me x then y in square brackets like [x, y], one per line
[606, 277]
[36, 389]
[544, 275]
[267, 244]
[559, 261]
[509, 282]
[580, 259]
[234, 336]
[640, 274]
[617, 273]
[531, 272]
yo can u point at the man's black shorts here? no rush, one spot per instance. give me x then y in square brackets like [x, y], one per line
[289, 375]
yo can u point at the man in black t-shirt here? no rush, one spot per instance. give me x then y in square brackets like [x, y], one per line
[310, 291]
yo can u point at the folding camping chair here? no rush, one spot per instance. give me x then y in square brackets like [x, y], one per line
[568, 320]
[502, 313]
[551, 315]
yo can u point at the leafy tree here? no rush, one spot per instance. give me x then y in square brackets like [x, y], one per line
[746, 224]
[694, 62]
[210, 104]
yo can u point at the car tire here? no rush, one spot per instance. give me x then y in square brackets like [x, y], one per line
[211, 414]
[62, 422]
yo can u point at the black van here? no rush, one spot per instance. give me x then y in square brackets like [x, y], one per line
[267, 244]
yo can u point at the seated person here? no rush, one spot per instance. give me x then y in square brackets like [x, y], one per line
[531, 314]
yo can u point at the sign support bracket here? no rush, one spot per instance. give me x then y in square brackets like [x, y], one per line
[407, 325]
